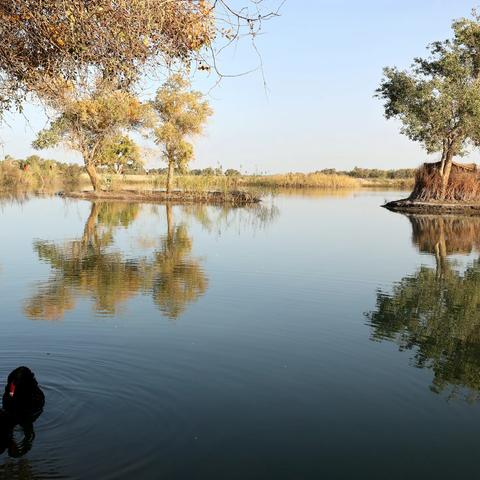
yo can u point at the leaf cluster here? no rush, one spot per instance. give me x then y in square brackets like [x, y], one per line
[182, 113]
[48, 43]
[438, 99]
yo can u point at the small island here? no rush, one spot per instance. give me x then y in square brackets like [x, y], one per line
[233, 198]
[427, 196]
[437, 102]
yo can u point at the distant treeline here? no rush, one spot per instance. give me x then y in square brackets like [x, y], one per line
[209, 171]
[37, 162]
[401, 173]
[35, 172]
[34, 162]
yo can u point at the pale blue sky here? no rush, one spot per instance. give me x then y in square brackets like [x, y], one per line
[323, 60]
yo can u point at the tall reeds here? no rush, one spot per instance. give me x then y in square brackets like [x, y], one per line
[463, 186]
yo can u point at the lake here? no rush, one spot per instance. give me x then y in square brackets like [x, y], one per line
[315, 336]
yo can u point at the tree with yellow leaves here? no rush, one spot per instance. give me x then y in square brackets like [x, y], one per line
[182, 114]
[93, 125]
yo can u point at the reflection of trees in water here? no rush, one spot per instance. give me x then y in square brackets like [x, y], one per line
[176, 279]
[252, 217]
[443, 236]
[88, 267]
[436, 311]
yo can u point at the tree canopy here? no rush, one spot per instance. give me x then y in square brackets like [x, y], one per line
[438, 99]
[120, 153]
[47, 42]
[93, 125]
[49, 45]
[182, 113]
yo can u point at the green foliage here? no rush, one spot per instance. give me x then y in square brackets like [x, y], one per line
[119, 153]
[357, 172]
[209, 171]
[438, 100]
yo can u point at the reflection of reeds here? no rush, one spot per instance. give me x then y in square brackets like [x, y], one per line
[252, 217]
[456, 234]
[315, 192]
[462, 185]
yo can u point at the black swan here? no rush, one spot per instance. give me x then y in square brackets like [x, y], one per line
[23, 397]
[23, 403]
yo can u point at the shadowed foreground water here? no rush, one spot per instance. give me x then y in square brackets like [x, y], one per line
[316, 336]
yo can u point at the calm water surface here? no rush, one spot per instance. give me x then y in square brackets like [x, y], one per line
[316, 336]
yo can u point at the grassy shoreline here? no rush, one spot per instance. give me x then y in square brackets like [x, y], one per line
[52, 179]
[267, 182]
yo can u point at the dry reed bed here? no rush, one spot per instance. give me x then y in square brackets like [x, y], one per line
[225, 183]
[302, 180]
[462, 186]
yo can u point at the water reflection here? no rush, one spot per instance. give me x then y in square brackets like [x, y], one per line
[251, 218]
[435, 311]
[17, 442]
[174, 277]
[88, 267]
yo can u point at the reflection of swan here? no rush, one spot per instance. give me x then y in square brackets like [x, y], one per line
[17, 448]
[435, 312]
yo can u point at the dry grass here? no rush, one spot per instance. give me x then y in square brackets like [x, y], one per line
[462, 186]
[36, 178]
[391, 183]
[12, 178]
[222, 183]
[302, 180]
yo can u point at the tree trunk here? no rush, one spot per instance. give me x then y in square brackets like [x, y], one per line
[89, 229]
[171, 168]
[444, 156]
[169, 221]
[446, 171]
[441, 250]
[92, 173]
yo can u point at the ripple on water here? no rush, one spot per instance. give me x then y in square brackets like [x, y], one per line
[92, 400]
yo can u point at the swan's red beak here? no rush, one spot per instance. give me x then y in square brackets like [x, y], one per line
[12, 389]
